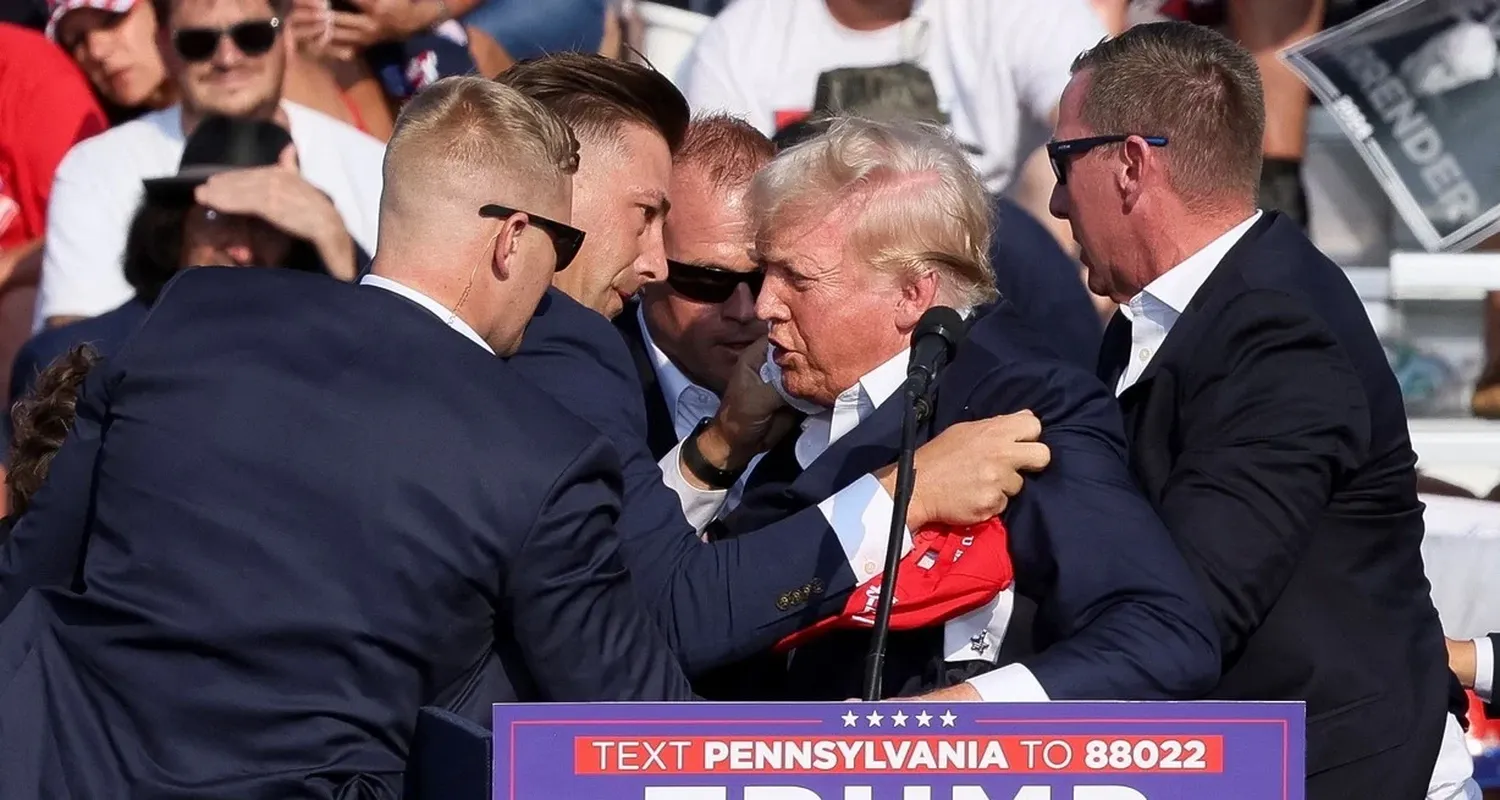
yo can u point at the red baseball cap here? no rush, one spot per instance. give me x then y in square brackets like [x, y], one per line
[949, 572]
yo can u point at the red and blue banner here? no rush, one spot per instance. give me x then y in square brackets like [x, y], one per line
[899, 751]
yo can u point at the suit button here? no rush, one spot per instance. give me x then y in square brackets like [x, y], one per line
[816, 586]
[783, 602]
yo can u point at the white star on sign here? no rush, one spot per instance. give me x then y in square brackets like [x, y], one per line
[948, 719]
[898, 719]
[849, 719]
[874, 719]
[924, 720]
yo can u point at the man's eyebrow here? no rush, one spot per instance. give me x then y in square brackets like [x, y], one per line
[652, 198]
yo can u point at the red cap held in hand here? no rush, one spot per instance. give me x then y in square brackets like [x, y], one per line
[949, 572]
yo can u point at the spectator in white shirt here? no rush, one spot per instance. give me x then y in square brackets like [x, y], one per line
[997, 67]
[227, 57]
[687, 333]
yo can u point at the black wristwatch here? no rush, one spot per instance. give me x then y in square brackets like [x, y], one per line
[708, 473]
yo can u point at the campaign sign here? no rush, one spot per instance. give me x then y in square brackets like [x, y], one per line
[1415, 85]
[899, 751]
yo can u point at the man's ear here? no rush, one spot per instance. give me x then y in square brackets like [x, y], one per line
[917, 295]
[1136, 162]
[508, 244]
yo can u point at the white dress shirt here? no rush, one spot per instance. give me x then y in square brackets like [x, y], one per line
[1484, 669]
[1154, 311]
[860, 515]
[443, 312]
[688, 402]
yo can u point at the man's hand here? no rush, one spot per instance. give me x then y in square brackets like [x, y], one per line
[958, 693]
[282, 197]
[969, 472]
[1461, 660]
[752, 417]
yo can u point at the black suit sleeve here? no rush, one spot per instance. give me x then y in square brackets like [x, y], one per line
[1119, 615]
[46, 547]
[718, 602]
[581, 627]
[1266, 438]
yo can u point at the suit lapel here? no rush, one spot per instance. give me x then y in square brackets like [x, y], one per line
[1185, 332]
[661, 428]
[1114, 352]
[871, 445]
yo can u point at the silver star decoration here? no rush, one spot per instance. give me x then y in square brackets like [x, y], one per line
[898, 719]
[948, 719]
[874, 719]
[924, 720]
[849, 719]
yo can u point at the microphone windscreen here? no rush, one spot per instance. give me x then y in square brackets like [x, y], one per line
[941, 321]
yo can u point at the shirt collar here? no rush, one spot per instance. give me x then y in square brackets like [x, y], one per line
[442, 312]
[1175, 287]
[673, 382]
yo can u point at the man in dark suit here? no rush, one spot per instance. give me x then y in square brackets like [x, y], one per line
[686, 333]
[1117, 613]
[1265, 423]
[721, 601]
[314, 507]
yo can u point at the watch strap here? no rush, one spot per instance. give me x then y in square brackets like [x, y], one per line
[699, 466]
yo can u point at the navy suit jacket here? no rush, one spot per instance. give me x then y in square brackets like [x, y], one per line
[716, 602]
[1118, 615]
[293, 512]
[1044, 284]
[1270, 433]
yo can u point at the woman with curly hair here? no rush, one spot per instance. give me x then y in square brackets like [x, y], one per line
[40, 423]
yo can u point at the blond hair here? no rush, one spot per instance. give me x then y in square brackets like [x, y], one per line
[918, 205]
[463, 135]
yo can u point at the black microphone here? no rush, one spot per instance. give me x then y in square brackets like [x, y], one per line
[933, 343]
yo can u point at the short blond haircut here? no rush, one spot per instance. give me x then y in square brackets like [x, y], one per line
[918, 205]
[464, 132]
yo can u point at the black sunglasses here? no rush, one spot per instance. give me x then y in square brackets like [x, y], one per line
[710, 284]
[253, 38]
[1059, 152]
[566, 239]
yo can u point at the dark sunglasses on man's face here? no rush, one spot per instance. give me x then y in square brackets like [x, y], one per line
[566, 239]
[1059, 153]
[710, 284]
[253, 38]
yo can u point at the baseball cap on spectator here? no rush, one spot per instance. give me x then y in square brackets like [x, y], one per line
[57, 9]
[950, 571]
[219, 144]
[410, 66]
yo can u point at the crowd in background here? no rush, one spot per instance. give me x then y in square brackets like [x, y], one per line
[121, 163]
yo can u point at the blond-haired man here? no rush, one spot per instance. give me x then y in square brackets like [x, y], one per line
[861, 231]
[321, 506]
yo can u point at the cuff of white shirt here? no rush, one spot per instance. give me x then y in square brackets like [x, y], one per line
[1484, 669]
[860, 514]
[700, 506]
[1009, 684]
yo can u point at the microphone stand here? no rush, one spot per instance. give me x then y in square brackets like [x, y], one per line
[916, 410]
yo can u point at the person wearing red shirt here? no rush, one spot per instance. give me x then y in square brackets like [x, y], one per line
[46, 106]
